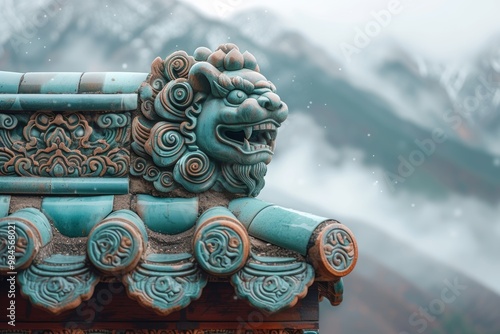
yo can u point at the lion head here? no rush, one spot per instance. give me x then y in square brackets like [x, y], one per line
[207, 121]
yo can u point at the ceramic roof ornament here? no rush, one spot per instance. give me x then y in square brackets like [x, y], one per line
[208, 121]
[131, 163]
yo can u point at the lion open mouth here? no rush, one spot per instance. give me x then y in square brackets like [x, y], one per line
[250, 138]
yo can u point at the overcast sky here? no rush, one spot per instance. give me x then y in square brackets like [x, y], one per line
[439, 29]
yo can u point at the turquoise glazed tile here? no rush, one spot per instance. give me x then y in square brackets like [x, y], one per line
[4, 205]
[76, 216]
[272, 284]
[111, 82]
[333, 290]
[58, 283]
[166, 282]
[50, 83]
[247, 208]
[117, 243]
[329, 245]
[168, 215]
[63, 185]
[9, 82]
[333, 252]
[68, 102]
[27, 230]
[221, 243]
[283, 227]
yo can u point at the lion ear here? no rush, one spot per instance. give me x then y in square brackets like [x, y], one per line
[203, 77]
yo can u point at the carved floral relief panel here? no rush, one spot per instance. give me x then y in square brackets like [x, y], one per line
[64, 144]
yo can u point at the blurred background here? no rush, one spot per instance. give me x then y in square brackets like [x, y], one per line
[394, 129]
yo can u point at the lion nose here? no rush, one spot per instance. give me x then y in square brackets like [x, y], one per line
[270, 101]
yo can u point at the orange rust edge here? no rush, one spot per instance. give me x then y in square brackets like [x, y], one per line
[134, 230]
[317, 257]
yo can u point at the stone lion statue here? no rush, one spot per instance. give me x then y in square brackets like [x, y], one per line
[208, 121]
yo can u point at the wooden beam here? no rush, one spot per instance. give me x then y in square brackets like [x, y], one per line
[217, 309]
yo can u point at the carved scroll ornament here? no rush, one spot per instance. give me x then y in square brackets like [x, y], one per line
[59, 144]
[208, 121]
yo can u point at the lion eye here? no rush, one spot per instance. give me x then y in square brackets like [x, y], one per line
[236, 96]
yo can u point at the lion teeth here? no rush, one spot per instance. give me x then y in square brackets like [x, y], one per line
[246, 145]
[264, 126]
[248, 132]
